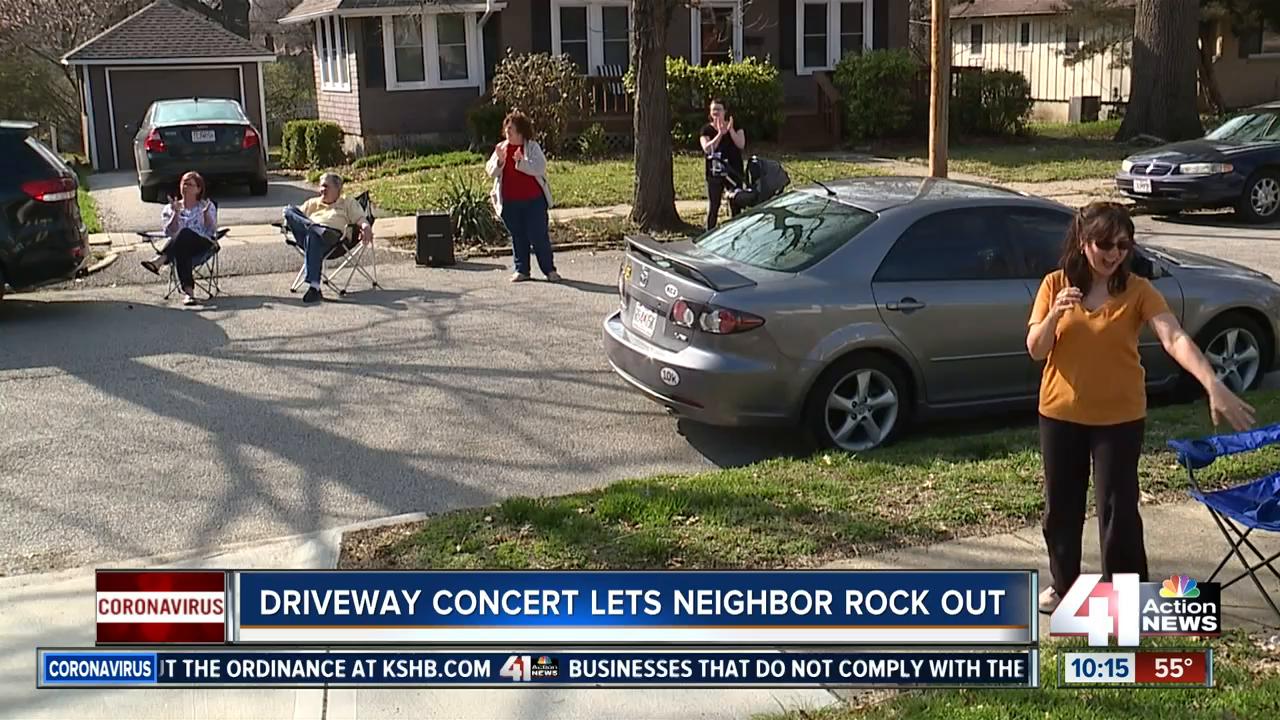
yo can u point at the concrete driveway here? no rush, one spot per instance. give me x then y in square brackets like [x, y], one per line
[121, 208]
[1216, 234]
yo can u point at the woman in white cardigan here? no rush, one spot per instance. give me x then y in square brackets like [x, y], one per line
[522, 197]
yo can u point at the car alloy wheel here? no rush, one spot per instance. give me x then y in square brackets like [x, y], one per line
[1236, 357]
[861, 410]
[1264, 196]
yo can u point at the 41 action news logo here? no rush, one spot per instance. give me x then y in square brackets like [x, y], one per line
[524, 668]
[1129, 609]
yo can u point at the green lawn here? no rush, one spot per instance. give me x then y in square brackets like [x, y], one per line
[404, 187]
[1246, 685]
[1046, 153]
[785, 512]
[88, 208]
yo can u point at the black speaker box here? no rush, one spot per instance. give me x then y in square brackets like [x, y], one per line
[435, 240]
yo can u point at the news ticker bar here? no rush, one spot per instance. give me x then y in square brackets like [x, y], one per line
[461, 608]
[1136, 668]
[405, 668]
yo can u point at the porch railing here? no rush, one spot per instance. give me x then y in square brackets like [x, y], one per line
[605, 96]
[828, 105]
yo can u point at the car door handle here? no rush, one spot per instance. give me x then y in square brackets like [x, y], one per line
[906, 304]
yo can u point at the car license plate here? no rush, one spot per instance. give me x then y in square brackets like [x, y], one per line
[643, 319]
[1142, 185]
[203, 136]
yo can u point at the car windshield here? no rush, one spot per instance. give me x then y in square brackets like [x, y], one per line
[789, 233]
[196, 112]
[1250, 127]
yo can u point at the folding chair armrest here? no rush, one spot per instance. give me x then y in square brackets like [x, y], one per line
[1197, 453]
[221, 233]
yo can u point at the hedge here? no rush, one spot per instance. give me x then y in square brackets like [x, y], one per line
[875, 92]
[752, 90]
[311, 144]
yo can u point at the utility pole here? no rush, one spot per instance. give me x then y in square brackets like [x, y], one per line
[939, 87]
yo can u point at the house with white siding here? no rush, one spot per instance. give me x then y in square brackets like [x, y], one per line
[1034, 37]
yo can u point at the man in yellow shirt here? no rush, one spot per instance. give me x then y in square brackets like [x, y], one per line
[320, 224]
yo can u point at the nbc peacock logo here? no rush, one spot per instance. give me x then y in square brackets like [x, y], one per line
[1179, 586]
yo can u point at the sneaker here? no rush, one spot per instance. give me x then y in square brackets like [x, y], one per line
[1049, 601]
[189, 300]
[313, 296]
[519, 277]
[554, 276]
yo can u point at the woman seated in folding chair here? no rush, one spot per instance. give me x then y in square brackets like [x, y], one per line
[1093, 403]
[191, 223]
[320, 224]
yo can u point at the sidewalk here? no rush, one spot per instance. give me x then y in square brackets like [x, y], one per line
[57, 609]
[384, 227]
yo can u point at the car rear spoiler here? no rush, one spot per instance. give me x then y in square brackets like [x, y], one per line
[706, 272]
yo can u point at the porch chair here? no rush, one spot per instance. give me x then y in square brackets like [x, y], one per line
[346, 248]
[204, 266]
[614, 90]
[1254, 505]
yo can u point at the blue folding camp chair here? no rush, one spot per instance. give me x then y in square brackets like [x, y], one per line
[1254, 505]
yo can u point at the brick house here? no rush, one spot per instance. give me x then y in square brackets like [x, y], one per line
[400, 72]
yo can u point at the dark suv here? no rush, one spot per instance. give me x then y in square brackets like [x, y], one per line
[42, 237]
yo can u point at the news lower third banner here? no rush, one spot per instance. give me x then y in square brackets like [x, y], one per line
[252, 667]
[773, 608]
[635, 608]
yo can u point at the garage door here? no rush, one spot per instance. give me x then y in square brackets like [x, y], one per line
[133, 91]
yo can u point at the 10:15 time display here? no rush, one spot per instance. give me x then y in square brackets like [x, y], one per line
[1118, 667]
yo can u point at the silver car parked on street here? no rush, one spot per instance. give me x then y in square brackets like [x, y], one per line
[855, 307]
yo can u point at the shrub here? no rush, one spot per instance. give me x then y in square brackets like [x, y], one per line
[484, 121]
[471, 212]
[751, 88]
[875, 92]
[992, 102]
[548, 89]
[592, 143]
[311, 144]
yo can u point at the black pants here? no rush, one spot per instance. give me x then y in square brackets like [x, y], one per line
[715, 194]
[1114, 449]
[181, 250]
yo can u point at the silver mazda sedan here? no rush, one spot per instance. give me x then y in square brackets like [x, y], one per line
[855, 307]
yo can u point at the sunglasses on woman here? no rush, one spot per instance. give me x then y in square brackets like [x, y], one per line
[1109, 245]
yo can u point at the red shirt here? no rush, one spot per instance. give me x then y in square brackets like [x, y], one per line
[516, 185]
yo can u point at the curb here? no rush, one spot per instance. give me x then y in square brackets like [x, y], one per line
[101, 265]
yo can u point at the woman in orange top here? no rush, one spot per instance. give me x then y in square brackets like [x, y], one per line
[1093, 403]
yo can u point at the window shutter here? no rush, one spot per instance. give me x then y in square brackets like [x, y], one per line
[540, 19]
[373, 70]
[880, 25]
[786, 34]
[493, 50]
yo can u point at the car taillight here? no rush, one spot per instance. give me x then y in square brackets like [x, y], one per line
[250, 139]
[154, 143]
[722, 321]
[682, 314]
[54, 190]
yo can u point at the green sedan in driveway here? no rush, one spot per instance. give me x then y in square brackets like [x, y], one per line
[210, 136]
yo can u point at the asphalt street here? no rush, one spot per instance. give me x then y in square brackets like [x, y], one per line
[131, 426]
[120, 207]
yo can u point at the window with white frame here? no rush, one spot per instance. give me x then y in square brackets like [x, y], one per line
[592, 34]
[717, 32]
[1024, 34]
[826, 30]
[1071, 38]
[975, 39]
[331, 53]
[433, 50]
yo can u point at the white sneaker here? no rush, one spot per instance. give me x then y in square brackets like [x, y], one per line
[1049, 601]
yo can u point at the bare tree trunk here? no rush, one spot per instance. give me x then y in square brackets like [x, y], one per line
[654, 204]
[1208, 78]
[1163, 100]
